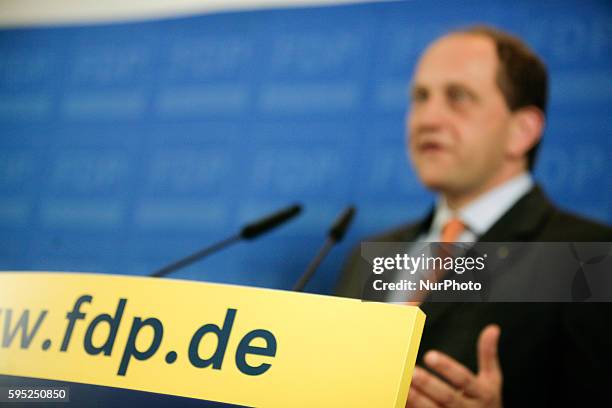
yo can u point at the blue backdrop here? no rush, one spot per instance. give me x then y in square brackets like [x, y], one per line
[126, 146]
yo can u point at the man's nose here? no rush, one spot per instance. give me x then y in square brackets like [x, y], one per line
[428, 115]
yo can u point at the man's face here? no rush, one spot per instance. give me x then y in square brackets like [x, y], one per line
[458, 123]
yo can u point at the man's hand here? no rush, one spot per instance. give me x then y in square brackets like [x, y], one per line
[464, 389]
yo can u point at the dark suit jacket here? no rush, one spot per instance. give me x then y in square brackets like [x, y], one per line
[552, 354]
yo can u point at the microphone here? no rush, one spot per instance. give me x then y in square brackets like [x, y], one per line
[248, 232]
[255, 229]
[334, 235]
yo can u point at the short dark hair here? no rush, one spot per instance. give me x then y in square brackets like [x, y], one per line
[522, 76]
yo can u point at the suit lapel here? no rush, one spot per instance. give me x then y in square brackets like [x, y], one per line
[522, 222]
[412, 234]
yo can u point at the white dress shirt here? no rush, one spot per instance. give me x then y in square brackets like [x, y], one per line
[480, 215]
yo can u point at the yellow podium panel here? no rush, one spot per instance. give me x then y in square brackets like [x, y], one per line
[232, 344]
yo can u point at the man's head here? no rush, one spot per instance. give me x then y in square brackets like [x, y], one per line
[478, 109]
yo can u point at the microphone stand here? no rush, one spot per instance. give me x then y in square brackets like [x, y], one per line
[314, 264]
[335, 235]
[248, 232]
[195, 256]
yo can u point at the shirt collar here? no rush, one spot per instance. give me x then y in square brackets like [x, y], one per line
[480, 215]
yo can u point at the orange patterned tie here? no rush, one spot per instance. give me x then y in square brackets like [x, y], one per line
[451, 230]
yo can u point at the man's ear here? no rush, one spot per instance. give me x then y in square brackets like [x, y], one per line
[526, 130]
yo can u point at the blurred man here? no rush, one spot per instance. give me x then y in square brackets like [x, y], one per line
[478, 112]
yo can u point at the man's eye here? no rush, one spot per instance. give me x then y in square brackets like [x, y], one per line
[418, 96]
[458, 95]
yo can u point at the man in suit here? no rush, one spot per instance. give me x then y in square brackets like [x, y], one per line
[477, 115]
